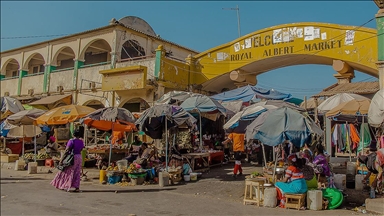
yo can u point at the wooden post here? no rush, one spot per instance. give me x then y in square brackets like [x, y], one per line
[305, 103]
[316, 112]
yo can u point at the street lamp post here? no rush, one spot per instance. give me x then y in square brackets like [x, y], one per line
[380, 40]
[237, 9]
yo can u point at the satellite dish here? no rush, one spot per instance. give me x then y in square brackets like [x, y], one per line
[137, 24]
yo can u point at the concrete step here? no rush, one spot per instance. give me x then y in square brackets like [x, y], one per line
[375, 205]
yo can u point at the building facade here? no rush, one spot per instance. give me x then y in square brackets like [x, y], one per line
[123, 64]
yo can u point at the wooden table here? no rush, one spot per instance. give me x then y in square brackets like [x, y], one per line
[217, 156]
[117, 154]
[104, 151]
[191, 159]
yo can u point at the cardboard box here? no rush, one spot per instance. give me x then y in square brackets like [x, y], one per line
[9, 158]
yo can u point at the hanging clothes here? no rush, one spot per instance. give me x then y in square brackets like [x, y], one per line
[354, 134]
[340, 138]
[347, 139]
[364, 130]
[334, 136]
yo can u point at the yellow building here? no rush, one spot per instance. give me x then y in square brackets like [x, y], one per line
[124, 64]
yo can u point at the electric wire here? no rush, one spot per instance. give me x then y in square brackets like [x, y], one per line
[34, 36]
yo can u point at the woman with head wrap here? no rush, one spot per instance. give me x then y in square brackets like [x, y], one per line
[69, 177]
[293, 182]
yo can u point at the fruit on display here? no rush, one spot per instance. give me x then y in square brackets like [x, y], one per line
[111, 168]
[40, 156]
[123, 184]
[256, 174]
[183, 138]
[134, 168]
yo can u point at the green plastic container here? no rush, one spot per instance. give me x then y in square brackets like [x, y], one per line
[137, 175]
[334, 196]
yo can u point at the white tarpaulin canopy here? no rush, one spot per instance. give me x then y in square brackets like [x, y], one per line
[337, 99]
[21, 131]
[376, 109]
[248, 113]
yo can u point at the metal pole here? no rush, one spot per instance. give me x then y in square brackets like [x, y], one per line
[348, 139]
[362, 137]
[34, 141]
[23, 142]
[201, 135]
[237, 9]
[110, 147]
[265, 158]
[238, 19]
[166, 144]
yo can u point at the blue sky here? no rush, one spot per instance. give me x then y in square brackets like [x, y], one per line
[198, 25]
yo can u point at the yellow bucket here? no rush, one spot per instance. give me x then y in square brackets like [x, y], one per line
[103, 176]
[371, 179]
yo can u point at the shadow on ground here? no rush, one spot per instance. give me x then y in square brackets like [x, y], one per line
[125, 191]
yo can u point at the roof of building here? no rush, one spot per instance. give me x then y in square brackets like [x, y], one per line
[98, 29]
[355, 88]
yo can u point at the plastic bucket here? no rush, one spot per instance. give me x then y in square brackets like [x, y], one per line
[193, 176]
[351, 168]
[340, 181]
[270, 199]
[358, 182]
[140, 181]
[114, 179]
[372, 178]
[315, 200]
[122, 165]
[187, 178]
[103, 176]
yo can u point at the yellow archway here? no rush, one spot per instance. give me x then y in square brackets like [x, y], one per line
[288, 45]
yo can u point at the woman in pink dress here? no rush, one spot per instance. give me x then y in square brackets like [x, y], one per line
[70, 176]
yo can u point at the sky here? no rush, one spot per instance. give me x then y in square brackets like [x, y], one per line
[194, 24]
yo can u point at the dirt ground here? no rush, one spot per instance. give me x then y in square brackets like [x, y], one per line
[214, 188]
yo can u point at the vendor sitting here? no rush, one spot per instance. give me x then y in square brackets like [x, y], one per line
[321, 166]
[293, 182]
[176, 158]
[146, 154]
[137, 141]
[133, 153]
[52, 147]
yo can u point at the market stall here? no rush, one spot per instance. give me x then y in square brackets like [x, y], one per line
[159, 119]
[345, 136]
[199, 162]
[111, 119]
[206, 107]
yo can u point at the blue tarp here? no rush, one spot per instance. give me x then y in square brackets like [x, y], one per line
[3, 132]
[203, 104]
[247, 93]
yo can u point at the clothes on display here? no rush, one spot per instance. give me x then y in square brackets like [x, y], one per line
[346, 137]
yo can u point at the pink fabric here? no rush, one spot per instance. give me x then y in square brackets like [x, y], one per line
[382, 141]
[52, 139]
[70, 177]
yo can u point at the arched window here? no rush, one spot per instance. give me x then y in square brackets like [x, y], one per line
[132, 49]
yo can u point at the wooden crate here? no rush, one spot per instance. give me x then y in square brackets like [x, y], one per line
[9, 158]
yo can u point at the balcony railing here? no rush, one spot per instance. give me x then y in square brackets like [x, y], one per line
[96, 64]
[9, 78]
[34, 74]
[63, 69]
[136, 58]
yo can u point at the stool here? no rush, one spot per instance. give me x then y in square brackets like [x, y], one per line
[49, 163]
[258, 186]
[294, 201]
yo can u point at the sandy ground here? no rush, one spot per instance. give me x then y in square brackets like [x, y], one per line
[215, 193]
